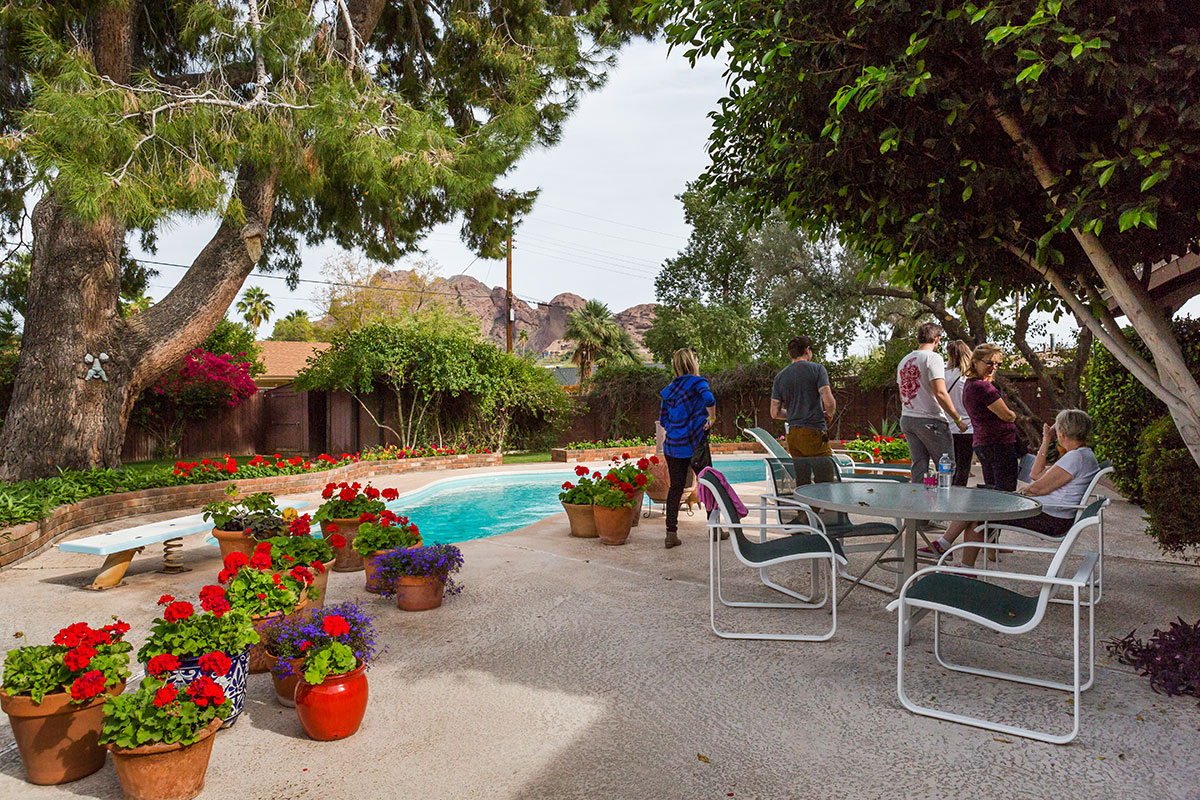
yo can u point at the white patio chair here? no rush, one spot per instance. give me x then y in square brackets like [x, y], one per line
[805, 544]
[945, 589]
[992, 530]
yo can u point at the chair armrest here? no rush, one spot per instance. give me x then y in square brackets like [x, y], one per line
[1086, 569]
[997, 546]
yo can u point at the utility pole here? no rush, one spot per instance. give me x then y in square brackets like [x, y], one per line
[509, 315]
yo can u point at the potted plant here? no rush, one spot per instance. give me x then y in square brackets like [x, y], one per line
[300, 547]
[252, 585]
[334, 646]
[637, 474]
[421, 576]
[53, 695]
[378, 535]
[240, 524]
[291, 639]
[161, 736]
[612, 505]
[183, 641]
[576, 499]
[344, 505]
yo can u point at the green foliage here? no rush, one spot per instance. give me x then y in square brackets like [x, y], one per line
[35, 671]
[235, 339]
[447, 383]
[291, 551]
[373, 537]
[1122, 408]
[198, 634]
[234, 513]
[255, 307]
[136, 719]
[259, 590]
[618, 393]
[884, 448]
[1170, 485]
[295, 327]
[722, 336]
[333, 659]
[598, 339]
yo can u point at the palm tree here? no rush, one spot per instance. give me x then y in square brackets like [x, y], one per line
[598, 339]
[255, 307]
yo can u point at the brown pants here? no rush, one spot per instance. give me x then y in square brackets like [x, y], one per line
[808, 443]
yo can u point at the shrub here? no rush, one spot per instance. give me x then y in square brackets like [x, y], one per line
[1170, 485]
[1170, 659]
[1121, 407]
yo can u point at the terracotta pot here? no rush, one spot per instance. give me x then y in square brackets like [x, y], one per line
[613, 524]
[662, 482]
[333, 709]
[234, 542]
[581, 519]
[233, 682]
[164, 771]
[319, 585]
[285, 688]
[59, 741]
[638, 499]
[258, 652]
[370, 564]
[419, 592]
[347, 559]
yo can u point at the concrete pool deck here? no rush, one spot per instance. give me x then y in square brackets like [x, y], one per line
[572, 670]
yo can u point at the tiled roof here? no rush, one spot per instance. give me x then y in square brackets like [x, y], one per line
[284, 360]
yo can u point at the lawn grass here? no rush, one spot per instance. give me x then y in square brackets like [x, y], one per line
[528, 457]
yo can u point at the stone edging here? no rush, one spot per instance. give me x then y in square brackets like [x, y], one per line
[605, 453]
[28, 539]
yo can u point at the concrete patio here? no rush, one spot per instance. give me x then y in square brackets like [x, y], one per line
[572, 670]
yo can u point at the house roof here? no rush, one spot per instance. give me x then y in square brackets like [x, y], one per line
[284, 360]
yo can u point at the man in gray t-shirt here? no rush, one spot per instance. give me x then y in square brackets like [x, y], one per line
[801, 395]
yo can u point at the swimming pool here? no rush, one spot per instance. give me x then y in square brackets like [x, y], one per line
[477, 506]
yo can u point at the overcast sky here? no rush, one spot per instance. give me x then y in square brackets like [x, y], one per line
[607, 215]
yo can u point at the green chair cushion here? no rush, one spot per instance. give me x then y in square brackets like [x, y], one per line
[1001, 606]
[843, 530]
[760, 552]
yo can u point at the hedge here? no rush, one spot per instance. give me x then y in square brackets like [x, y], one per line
[1170, 485]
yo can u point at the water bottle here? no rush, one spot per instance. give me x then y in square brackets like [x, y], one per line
[945, 471]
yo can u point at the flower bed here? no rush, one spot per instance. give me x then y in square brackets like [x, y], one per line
[884, 448]
[25, 539]
[569, 455]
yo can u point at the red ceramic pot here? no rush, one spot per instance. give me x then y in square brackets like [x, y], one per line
[333, 709]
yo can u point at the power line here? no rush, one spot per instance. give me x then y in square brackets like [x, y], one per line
[586, 265]
[640, 263]
[614, 222]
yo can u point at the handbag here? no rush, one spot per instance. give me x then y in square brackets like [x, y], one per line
[701, 454]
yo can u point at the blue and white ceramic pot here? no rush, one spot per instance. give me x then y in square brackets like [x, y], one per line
[233, 683]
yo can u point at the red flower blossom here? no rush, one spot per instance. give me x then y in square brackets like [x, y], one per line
[625, 487]
[567, 485]
[261, 559]
[390, 494]
[596, 475]
[87, 685]
[162, 664]
[178, 611]
[116, 629]
[166, 695]
[78, 659]
[335, 625]
[205, 690]
[303, 575]
[371, 492]
[73, 634]
[367, 516]
[165, 600]
[640, 480]
[330, 528]
[643, 463]
[209, 595]
[318, 567]
[262, 596]
[581, 470]
[235, 561]
[215, 663]
[337, 541]
[347, 494]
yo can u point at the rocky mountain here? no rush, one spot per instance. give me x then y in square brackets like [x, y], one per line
[544, 323]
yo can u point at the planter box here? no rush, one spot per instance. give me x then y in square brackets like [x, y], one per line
[606, 453]
[30, 538]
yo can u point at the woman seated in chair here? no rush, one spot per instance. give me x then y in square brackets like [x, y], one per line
[1059, 487]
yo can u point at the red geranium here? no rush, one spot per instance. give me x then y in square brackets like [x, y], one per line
[205, 690]
[337, 541]
[166, 695]
[640, 480]
[178, 611]
[303, 575]
[87, 686]
[371, 492]
[166, 599]
[336, 625]
[162, 664]
[79, 658]
[390, 494]
[581, 470]
[235, 561]
[215, 663]
[347, 494]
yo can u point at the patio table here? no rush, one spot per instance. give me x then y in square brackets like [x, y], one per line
[916, 503]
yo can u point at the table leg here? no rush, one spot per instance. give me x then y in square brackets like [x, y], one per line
[910, 566]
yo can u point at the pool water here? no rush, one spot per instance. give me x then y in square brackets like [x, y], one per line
[477, 506]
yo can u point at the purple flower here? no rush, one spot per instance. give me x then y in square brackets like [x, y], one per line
[440, 560]
[285, 636]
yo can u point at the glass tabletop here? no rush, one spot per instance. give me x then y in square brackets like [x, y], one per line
[914, 501]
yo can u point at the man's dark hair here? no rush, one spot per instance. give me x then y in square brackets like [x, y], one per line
[798, 346]
[928, 333]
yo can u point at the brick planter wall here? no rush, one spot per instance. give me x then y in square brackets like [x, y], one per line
[30, 538]
[606, 453]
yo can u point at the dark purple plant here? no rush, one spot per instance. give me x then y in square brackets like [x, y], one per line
[440, 560]
[290, 637]
[1170, 658]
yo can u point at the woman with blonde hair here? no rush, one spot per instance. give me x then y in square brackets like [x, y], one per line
[688, 411]
[958, 363]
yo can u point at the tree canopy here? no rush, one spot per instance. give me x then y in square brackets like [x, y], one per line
[598, 339]
[1013, 145]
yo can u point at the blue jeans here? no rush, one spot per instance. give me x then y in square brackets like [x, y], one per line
[928, 439]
